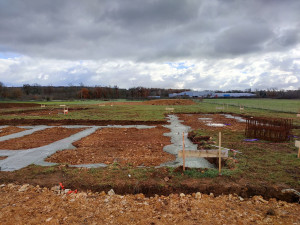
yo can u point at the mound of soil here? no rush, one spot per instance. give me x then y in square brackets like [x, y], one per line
[10, 130]
[41, 112]
[39, 138]
[139, 147]
[3, 157]
[52, 122]
[18, 105]
[27, 204]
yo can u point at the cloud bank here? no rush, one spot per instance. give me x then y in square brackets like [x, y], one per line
[201, 45]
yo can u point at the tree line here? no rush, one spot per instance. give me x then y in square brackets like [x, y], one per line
[72, 92]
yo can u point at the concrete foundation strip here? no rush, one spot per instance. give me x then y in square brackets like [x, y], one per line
[18, 159]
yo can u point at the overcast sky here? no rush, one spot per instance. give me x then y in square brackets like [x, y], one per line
[202, 45]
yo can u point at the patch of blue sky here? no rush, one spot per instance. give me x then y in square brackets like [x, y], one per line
[8, 55]
[180, 65]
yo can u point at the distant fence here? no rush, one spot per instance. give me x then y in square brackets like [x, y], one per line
[269, 129]
[281, 108]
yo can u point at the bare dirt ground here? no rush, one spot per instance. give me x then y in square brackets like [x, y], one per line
[10, 130]
[17, 105]
[60, 122]
[195, 122]
[39, 138]
[27, 204]
[41, 112]
[3, 157]
[138, 147]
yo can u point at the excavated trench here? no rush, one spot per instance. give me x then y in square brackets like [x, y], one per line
[218, 186]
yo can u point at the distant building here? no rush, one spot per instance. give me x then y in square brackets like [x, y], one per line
[209, 94]
[153, 97]
[233, 95]
[192, 94]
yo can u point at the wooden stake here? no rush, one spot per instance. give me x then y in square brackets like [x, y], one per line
[297, 144]
[219, 153]
[183, 152]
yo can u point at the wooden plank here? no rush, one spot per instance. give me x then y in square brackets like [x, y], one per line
[170, 109]
[219, 153]
[297, 144]
[183, 153]
[203, 153]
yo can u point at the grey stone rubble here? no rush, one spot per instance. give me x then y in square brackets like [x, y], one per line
[18, 159]
[23, 133]
[177, 128]
[238, 118]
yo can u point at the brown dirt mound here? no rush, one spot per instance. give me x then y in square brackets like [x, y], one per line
[10, 130]
[18, 105]
[34, 205]
[52, 122]
[3, 157]
[39, 138]
[121, 145]
[41, 112]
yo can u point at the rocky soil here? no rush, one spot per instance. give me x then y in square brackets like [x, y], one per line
[137, 147]
[26, 204]
[10, 130]
[39, 138]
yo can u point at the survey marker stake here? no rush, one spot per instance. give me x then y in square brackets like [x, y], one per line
[297, 144]
[220, 154]
[183, 153]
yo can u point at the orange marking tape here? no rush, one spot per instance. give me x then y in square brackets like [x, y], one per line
[62, 186]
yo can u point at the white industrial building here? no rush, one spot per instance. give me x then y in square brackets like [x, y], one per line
[209, 94]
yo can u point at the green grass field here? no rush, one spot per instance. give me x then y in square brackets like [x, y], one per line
[156, 112]
[280, 105]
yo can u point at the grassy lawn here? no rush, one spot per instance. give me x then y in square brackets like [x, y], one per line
[263, 160]
[281, 105]
[93, 111]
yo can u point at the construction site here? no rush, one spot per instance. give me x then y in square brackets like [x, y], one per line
[192, 162]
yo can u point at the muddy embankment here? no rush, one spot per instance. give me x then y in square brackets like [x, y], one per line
[161, 184]
[33, 122]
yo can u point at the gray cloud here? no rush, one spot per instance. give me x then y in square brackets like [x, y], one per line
[243, 39]
[141, 30]
[152, 32]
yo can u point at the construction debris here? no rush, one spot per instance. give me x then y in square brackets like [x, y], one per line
[38, 205]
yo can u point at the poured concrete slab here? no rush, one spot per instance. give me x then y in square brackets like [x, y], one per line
[18, 159]
[176, 134]
[23, 133]
[238, 118]
[26, 157]
[22, 158]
